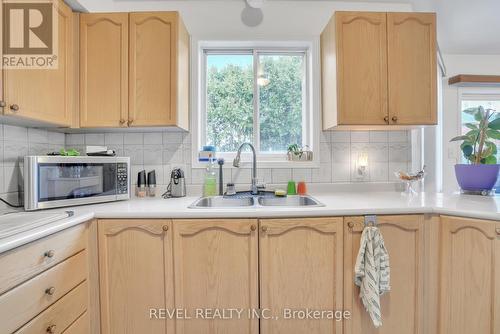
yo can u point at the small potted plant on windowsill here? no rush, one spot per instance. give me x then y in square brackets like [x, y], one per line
[481, 171]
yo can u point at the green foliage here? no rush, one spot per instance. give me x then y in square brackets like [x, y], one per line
[230, 104]
[477, 145]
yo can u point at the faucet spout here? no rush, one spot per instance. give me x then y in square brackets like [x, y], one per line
[236, 163]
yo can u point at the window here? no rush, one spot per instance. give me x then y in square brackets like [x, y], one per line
[256, 95]
[473, 100]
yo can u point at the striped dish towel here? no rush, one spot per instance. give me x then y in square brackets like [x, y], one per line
[372, 272]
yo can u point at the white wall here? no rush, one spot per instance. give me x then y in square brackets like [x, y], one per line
[291, 20]
[459, 64]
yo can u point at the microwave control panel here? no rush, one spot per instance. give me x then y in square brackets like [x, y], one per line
[122, 178]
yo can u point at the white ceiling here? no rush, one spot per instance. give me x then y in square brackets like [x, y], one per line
[464, 26]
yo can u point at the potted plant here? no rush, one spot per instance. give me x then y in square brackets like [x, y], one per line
[480, 150]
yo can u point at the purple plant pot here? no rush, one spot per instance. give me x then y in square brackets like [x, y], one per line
[477, 177]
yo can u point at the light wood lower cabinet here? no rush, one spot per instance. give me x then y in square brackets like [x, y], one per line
[470, 276]
[135, 264]
[216, 268]
[300, 268]
[402, 307]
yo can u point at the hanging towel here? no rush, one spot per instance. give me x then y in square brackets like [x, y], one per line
[372, 272]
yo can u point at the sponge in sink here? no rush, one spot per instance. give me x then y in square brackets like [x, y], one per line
[280, 193]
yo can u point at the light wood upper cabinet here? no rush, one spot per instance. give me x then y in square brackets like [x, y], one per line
[411, 52]
[158, 77]
[361, 68]
[135, 268]
[134, 70]
[44, 95]
[103, 70]
[470, 276]
[403, 306]
[379, 69]
[216, 267]
[300, 267]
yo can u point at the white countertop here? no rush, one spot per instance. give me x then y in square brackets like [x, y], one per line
[336, 204]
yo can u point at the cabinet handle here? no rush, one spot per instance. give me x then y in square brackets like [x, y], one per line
[165, 228]
[2, 104]
[253, 227]
[350, 225]
[49, 254]
[498, 231]
[51, 329]
[130, 121]
[386, 119]
[122, 121]
[50, 291]
[264, 228]
[394, 119]
[14, 107]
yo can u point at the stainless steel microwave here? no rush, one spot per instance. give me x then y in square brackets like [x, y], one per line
[56, 181]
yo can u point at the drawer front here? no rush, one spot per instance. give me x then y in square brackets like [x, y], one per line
[25, 262]
[61, 315]
[80, 326]
[23, 303]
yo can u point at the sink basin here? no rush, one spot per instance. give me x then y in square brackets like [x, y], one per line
[222, 202]
[294, 201]
[254, 201]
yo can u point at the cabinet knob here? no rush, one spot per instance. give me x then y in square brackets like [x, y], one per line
[2, 104]
[264, 228]
[122, 121]
[253, 227]
[498, 231]
[386, 119]
[130, 121]
[50, 291]
[394, 119]
[350, 225]
[165, 228]
[14, 107]
[51, 329]
[50, 253]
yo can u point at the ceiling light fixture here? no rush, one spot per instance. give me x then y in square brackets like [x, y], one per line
[252, 14]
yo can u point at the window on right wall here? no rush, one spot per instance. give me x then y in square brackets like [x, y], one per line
[473, 100]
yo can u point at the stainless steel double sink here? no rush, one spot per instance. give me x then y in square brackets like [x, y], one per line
[217, 202]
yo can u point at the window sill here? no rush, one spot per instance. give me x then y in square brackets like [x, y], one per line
[265, 164]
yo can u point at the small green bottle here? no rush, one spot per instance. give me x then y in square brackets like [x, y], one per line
[210, 184]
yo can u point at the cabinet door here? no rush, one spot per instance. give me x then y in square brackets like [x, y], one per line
[402, 307]
[103, 70]
[470, 277]
[153, 68]
[361, 68]
[411, 39]
[45, 95]
[300, 268]
[135, 267]
[216, 268]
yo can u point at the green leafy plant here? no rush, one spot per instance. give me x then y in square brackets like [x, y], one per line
[477, 145]
[295, 149]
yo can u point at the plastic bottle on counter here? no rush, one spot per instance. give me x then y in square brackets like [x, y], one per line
[210, 183]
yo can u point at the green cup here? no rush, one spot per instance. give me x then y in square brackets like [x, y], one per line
[291, 188]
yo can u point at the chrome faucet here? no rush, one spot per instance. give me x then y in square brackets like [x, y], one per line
[236, 163]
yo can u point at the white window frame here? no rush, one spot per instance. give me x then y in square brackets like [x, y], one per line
[311, 116]
[473, 93]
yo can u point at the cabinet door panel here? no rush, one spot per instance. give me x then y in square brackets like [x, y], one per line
[402, 307]
[300, 267]
[411, 42]
[103, 70]
[361, 68]
[153, 75]
[216, 267]
[135, 264]
[470, 279]
[45, 95]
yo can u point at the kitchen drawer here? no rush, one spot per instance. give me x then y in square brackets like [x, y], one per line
[23, 303]
[22, 263]
[80, 326]
[61, 315]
